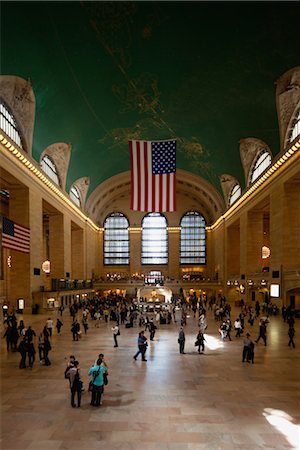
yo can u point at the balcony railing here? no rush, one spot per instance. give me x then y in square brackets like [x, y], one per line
[70, 285]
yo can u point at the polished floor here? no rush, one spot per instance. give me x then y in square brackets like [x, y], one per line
[211, 401]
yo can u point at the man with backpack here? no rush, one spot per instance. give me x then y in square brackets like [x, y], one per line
[73, 375]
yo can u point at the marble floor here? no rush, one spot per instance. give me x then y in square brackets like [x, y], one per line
[211, 401]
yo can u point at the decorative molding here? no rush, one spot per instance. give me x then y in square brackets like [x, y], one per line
[249, 151]
[227, 184]
[18, 95]
[82, 185]
[287, 103]
[60, 153]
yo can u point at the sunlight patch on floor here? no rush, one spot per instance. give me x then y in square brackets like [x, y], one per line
[283, 422]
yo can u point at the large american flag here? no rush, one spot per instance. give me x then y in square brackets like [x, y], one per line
[153, 175]
[14, 236]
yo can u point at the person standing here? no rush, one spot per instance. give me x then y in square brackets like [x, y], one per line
[116, 332]
[49, 326]
[96, 372]
[75, 383]
[246, 348]
[29, 333]
[291, 334]
[23, 349]
[142, 346]
[85, 323]
[200, 342]
[75, 330]
[152, 328]
[41, 347]
[181, 340]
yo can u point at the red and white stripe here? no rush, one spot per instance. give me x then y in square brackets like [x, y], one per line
[150, 193]
[20, 241]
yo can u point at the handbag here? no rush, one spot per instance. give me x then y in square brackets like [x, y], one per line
[118, 333]
[105, 378]
[90, 386]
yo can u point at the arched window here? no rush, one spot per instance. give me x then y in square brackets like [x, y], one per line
[261, 163]
[192, 239]
[49, 168]
[116, 239]
[9, 126]
[235, 193]
[295, 127]
[75, 196]
[154, 239]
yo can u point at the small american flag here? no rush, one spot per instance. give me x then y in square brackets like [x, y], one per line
[153, 175]
[15, 237]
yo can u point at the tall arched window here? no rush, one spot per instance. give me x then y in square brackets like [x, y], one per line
[235, 193]
[49, 168]
[116, 239]
[262, 162]
[295, 128]
[75, 196]
[154, 239]
[192, 239]
[9, 126]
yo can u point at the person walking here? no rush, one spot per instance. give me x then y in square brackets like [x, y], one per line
[49, 326]
[47, 348]
[238, 327]
[142, 346]
[58, 325]
[31, 354]
[181, 340]
[262, 332]
[75, 383]
[97, 372]
[116, 332]
[291, 334]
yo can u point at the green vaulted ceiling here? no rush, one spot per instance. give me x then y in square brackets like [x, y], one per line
[105, 72]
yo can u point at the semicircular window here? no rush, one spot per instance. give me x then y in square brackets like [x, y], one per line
[295, 128]
[49, 168]
[192, 239]
[75, 195]
[9, 126]
[154, 239]
[116, 239]
[235, 193]
[262, 162]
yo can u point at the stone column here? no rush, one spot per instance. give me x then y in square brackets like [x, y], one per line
[174, 254]
[18, 275]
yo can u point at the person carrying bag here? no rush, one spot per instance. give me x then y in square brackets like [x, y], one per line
[97, 372]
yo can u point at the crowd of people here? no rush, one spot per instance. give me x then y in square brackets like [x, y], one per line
[123, 311]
